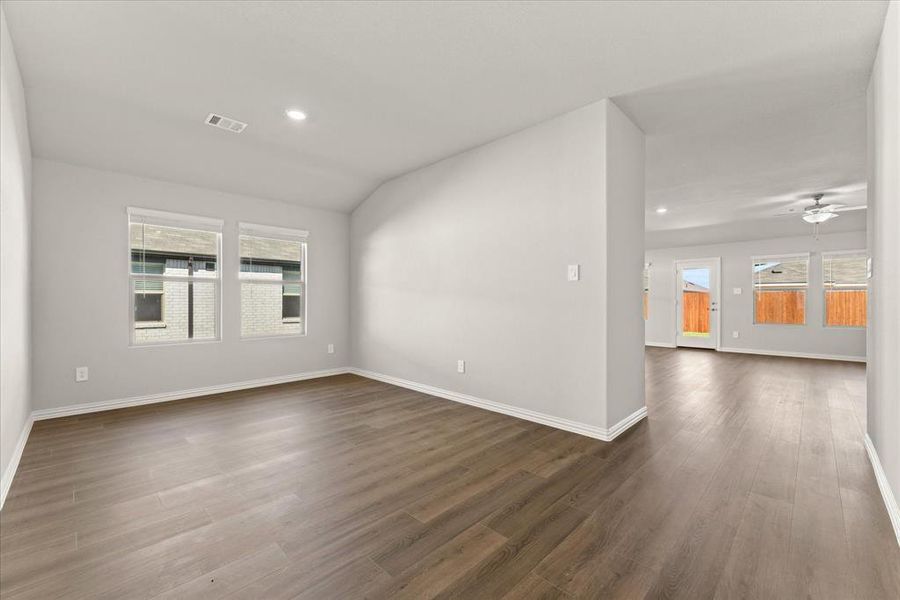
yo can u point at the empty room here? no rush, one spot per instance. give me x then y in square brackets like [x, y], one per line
[450, 299]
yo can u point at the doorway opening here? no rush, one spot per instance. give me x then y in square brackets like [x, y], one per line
[697, 303]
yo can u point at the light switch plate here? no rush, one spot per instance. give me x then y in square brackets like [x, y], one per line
[737, 291]
[460, 366]
[330, 348]
[735, 334]
[81, 374]
[574, 272]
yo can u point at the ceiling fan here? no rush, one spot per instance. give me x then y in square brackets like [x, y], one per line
[819, 212]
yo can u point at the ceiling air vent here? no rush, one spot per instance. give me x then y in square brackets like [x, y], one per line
[225, 123]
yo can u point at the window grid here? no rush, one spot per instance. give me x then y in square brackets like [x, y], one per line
[174, 282]
[273, 283]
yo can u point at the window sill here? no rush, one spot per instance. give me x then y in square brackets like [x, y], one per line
[150, 325]
[291, 321]
[274, 336]
[164, 344]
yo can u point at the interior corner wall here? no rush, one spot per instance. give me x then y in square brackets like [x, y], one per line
[883, 395]
[467, 259]
[80, 300]
[15, 256]
[736, 311]
[624, 265]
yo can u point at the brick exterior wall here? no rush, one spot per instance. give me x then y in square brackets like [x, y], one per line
[174, 326]
[260, 309]
[261, 306]
[267, 260]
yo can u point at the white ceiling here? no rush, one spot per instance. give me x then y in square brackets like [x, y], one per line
[741, 101]
[756, 142]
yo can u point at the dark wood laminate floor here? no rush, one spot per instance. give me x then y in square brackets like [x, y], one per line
[749, 479]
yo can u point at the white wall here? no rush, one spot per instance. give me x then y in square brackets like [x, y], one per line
[884, 246]
[15, 253]
[737, 310]
[466, 259]
[624, 230]
[80, 302]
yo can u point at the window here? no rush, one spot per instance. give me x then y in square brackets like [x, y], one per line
[148, 294]
[646, 290]
[174, 279]
[273, 281]
[844, 280]
[779, 289]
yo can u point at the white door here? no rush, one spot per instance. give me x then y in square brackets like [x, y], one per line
[697, 303]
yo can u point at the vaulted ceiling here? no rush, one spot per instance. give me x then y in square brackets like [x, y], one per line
[746, 105]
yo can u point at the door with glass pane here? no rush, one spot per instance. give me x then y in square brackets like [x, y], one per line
[697, 303]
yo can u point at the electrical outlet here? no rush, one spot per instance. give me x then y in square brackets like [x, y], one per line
[735, 334]
[574, 272]
[330, 348]
[460, 366]
[81, 374]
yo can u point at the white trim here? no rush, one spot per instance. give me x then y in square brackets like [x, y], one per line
[625, 424]
[272, 336]
[600, 433]
[701, 262]
[80, 409]
[660, 344]
[886, 493]
[848, 358]
[13, 465]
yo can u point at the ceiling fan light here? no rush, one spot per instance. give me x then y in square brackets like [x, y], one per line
[819, 217]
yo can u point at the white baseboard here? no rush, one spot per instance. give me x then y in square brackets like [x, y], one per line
[13, 465]
[795, 354]
[659, 344]
[80, 409]
[890, 502]
[600, 433]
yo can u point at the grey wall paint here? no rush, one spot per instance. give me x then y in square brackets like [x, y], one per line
[80, 300]
[624, 231]
[737, 311]
[884, 239]
[466, 259]
[15, 253]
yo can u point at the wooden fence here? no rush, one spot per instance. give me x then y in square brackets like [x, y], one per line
[781, 307]
[845, 308]
[695, 312]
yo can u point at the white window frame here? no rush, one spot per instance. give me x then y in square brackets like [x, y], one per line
[865, 255]
[278, 233]
[183, 221]
[799, 255]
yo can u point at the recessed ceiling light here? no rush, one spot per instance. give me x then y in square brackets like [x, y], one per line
[662, 210]
[295, 114]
